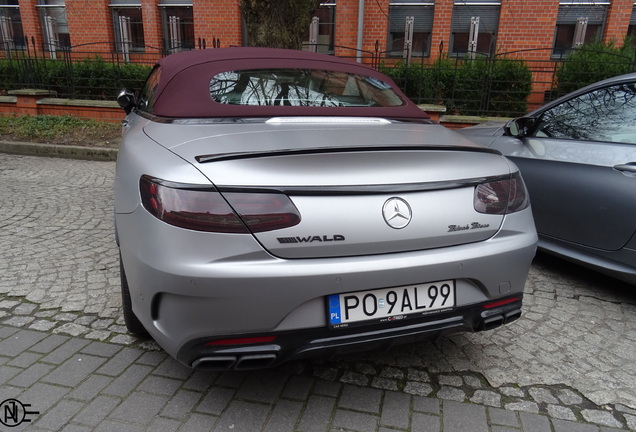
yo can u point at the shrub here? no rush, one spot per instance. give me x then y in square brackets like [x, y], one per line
[591, 63]
[90, 78]
[469, 87]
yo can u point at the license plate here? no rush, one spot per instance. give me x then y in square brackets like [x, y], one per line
[390, 304]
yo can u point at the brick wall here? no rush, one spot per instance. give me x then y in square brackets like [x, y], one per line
[90, 22]
[524, 24]
[441, 27]
[617, 21]
[527, 25]
[217, 19]
[31, 21]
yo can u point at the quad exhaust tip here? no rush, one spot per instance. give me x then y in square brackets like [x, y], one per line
[499, 320]
[244, 362]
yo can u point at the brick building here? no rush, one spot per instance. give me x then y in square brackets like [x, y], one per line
[395, 28]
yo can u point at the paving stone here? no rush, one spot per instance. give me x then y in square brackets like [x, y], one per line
[542, 395]
[284, 416]
[561, 412]
[181, 404]
[43, 396]
[451, 393]
[526, 406]
[65, 351]
[498, 416]
[360, 399]
[90, 388]
[568, 426]
[486, 397]
[199, 423]
[216, 400]
[427, 405]
[317, 415]
[601, 418]
[263, 386]
[24, 360]
[101, 350]
[327, 388]
[127, 381]
[355, 421]
[164, 425]
[243, 416]
[31, 375]
[19, 342]
[417, 388]
[120, 361]
[396, 409]
[354, 378]
[58, 416]
[426, 422]
[75, 370]
[48, 344]
[534, 423]
[130, 411]
[465, 417]
[298, 387]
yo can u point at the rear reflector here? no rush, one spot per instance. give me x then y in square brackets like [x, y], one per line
[205, 209]
[501, 303]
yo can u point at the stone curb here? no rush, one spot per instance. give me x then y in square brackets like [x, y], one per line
[61, 151]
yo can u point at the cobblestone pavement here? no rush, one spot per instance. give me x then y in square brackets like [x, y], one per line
[569, 364]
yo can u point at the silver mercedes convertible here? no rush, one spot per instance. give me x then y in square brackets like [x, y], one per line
[275, 204]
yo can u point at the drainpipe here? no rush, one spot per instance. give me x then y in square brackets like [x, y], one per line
[360, 28]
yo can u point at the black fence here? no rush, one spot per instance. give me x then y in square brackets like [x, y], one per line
[506, 84]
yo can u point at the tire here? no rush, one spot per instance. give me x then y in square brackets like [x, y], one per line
[133, 324]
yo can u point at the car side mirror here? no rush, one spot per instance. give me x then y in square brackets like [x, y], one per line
[519, 127]
[127, 100]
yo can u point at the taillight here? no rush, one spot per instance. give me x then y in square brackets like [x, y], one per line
[205, 209]
[501, 196]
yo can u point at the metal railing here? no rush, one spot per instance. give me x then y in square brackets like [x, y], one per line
[506, 84]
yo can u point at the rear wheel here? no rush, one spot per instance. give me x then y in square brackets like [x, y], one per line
[133, 324]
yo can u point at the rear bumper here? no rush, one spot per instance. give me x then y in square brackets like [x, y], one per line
[187, 287]
[204, 354]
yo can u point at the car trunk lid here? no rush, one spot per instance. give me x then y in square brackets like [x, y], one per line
[359, 190]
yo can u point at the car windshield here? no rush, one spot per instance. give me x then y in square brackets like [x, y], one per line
[301, 87]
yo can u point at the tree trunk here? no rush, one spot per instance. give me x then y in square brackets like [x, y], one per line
[278, 23]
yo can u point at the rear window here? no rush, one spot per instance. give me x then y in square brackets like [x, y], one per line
[301, 87]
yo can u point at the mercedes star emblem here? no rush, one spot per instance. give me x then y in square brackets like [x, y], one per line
[396, 212]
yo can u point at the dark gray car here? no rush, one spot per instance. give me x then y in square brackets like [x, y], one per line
[577, 156]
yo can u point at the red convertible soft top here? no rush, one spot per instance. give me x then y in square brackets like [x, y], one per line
[183, 89]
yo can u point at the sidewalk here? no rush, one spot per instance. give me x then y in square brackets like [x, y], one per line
[74, 384]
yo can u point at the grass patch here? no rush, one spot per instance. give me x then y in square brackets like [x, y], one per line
[60, 130]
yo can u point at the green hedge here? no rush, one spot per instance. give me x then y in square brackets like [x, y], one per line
[91, 78]
[593, 62]
[482, 86]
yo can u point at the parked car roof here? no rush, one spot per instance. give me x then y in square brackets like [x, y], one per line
[183, 88]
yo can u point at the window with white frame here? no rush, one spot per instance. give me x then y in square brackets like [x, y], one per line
[177, 21]
[410, 28]
[11, 33]
[321, 34]
[474, 27]
[578, 23]
[54, 26]
[128, 26]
